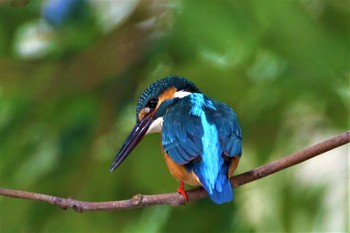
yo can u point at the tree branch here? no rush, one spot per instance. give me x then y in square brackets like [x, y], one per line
[176, 199]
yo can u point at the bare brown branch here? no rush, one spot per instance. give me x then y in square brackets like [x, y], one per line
[176, 199]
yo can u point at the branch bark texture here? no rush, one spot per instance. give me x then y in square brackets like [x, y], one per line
[175, 199]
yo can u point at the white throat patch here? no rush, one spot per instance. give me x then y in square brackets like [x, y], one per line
[156, 126]
[181, 94]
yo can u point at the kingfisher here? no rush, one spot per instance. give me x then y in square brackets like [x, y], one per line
[201, 138]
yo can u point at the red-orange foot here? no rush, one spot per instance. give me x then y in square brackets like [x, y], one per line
[181, 190]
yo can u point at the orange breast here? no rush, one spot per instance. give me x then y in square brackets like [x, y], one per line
[180, 173]
[233, 166]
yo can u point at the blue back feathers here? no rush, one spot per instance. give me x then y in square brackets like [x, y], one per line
[196, 133]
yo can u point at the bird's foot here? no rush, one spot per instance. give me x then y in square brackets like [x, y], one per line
[181, 190]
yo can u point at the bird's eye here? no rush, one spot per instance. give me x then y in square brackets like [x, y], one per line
[152, 103]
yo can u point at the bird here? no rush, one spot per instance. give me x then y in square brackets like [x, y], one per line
[201, 138]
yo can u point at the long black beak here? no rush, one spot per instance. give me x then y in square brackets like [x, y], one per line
[131, 142]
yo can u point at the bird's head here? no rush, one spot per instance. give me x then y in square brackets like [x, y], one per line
[150, 109]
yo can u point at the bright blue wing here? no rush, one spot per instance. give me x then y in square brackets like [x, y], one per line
[227, 124]
[182, 133]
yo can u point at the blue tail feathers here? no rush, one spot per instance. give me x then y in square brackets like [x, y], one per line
[223, 191]
[219, 192]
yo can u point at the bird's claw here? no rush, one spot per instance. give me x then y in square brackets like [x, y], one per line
[181, 190]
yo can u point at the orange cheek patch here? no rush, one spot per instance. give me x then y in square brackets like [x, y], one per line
[167, 94]
[142, 114]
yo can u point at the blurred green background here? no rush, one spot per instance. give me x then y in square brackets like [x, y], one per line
[71, 74]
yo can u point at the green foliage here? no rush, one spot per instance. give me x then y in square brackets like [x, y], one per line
[67, 99]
